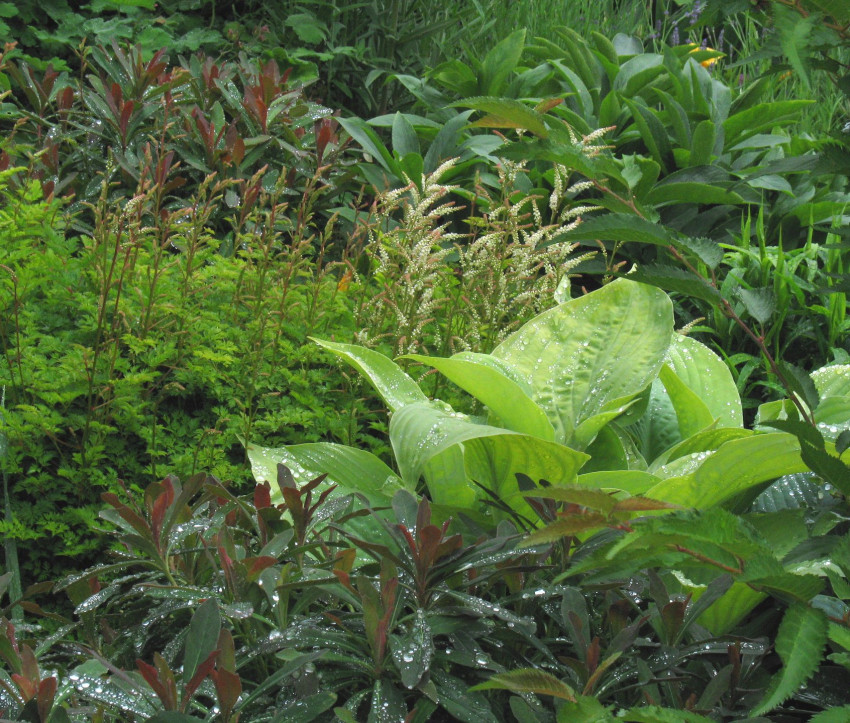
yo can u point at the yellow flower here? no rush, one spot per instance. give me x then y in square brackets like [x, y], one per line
[708, 64]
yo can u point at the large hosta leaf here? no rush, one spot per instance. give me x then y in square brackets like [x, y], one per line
[354, 470]
[708, 377]
[421, 434]
[587, 352]
[395, 387]
[707, 479]
[832, 381]
[486, 378]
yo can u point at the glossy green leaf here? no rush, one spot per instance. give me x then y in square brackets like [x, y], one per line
[653, 132]
[500, 61]
[396, 388]
[657, 714]
[698, 193]
[692, 415]
[673, 278]
[635, 482]
[762, 117]
[202, 637]
[735, 467]
[405, 139]
[565, 355]
[832, 381]
[622, 227]
[492, 455]
[360, 131]
[412, 652]
[488, 379]
[638, 72]
[529, 680]
[506, 113]
[354, 470]
[800, 643]
[708, 377]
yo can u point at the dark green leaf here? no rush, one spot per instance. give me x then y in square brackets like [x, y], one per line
[760, 303]
[202, 637]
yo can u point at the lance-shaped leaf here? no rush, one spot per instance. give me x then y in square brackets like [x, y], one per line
[587, 352]
[529, 680]
[800, 643]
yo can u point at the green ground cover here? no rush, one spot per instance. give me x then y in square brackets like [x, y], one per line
[502, 350]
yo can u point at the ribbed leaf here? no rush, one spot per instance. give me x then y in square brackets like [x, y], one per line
[482, 377]
[566, 527]
[800, 643]
[506, 113]
[529, 680]
[493, 455]
[582, 355]
[395, 387]
[354, 470]
[693, 416]
[832, 381]
[737, 466]
[760, 303]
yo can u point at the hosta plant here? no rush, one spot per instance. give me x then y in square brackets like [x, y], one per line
[597, 392]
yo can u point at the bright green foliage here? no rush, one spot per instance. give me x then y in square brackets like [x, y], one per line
[799, 642]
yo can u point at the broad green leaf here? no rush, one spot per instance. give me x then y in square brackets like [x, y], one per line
[634, 482]
[800, 643]
[500, 62]
[493, 456]
[832, 381]
[735, 604]
[529, 680]
[412, 652]
[396, 388]
[459, 701]
[482, 377]
[708, 250]
[706, 441]
[638, 72]
[445, 143]
[360, 131]
[354, 470]
[587, 352]
[202, 637]
[587, 430]
[555, 151]
[405, 139]
[735, 467]
[708, 377]
[692, 415]
[673, 278]
[506, 113]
